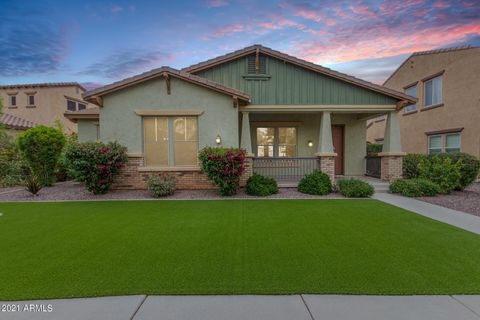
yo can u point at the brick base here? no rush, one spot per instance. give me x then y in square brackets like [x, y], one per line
[130, 178]
[391, 168]
[327, 165]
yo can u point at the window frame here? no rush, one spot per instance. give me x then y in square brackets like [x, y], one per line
[30, 96]
[443, 142]
[408, 108]
[74, 104]
[431, 80]
[276, 142]
[11, 99]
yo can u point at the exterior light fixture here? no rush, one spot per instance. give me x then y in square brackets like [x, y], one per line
[310, 143]
[218, 139]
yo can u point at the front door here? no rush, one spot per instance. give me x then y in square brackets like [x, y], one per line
[337, 136]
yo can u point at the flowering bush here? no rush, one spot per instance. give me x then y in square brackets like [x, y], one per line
[94, 163]
[223, 166]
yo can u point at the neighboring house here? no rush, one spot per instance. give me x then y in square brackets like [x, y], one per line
[446, 117]
[290, 115]
[44, 103]
[15, 125]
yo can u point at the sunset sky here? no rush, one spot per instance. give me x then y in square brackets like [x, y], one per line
[98, 42]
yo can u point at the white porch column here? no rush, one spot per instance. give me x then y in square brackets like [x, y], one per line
[392, 156]
[325, 151]
[245, 139]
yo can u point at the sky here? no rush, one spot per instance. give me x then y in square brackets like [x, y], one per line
[99, 42]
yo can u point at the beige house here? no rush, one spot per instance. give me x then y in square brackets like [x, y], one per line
[44, 103]
[446, 117]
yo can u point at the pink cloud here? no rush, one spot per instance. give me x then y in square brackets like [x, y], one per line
[217, 3]
[229, 29]
[441, 5]
[308, 14]
[116, 8]
[364, 11]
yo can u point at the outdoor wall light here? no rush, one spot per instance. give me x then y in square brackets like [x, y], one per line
[218, 139]
[310, 143]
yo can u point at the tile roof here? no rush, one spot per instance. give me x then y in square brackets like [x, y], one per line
[15, 122]
[170, 71]
[435, 51]
[42, 85]
[303, 63]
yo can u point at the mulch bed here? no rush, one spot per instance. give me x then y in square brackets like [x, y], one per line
[466, 201]
[76, 191]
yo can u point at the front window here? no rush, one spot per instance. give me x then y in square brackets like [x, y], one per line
[159, 142]
[71, 105]
[82, 106]
[433, 92]
[13, 101]
[277, 142]
[411, 91]
[31, 99]
[444, 143]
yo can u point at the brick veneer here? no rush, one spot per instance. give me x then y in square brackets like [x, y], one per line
[131, 178]
[327, 165]
[391, 167]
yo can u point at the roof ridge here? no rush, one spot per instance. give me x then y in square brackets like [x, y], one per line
[441, 50]
[41, 84]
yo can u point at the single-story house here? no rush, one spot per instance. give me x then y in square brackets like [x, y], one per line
[290, 115]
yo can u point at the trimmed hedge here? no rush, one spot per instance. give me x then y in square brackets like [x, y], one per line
[316, 183]
[469, 168]
[415, 187]
[352, 188]
[161, 185]
[441, 170]
[258, 185]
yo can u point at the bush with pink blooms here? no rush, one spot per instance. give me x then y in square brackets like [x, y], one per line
[223, 166]
[96, 164]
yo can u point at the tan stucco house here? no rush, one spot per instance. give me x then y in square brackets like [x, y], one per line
[446, 117]
[44, 103]
[290, 115]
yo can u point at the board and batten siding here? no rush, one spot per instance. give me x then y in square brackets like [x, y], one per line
[290, 84]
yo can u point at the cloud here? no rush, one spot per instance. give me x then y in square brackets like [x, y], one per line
[91, 85]
[217, 3]
[229, 29]
[31, 48]
[116, 9]
[126, 63]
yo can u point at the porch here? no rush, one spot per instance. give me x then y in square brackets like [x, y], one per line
[286, 144]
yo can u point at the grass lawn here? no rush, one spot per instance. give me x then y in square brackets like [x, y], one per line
[79, 249]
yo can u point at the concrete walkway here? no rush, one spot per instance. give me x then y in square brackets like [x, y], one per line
[291, 307]
[456, 218]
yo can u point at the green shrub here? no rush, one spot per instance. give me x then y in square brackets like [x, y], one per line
[414, 187]
[352, 188]
[258, 185]
[469, 168]
[442, 171]
[95, 163]
[33, 183]
[41, 147]
[374, 148]
[317, 183]
[223, 166]
[161, 185]
[12, 167]
[411, 164]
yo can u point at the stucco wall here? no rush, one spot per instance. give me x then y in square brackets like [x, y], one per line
[87, 130]
[118, 120]
[308, 128]
[376, 132]
[460, 96]
[50, 105]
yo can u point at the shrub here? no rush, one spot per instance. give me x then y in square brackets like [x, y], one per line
[33, 183]
[411, 164]
[223, 166]
[95, 163]
[414, 187]
[374, 148]
[353, 188]
[469, 168]
[317, 183]
[161, 186]
[442, 171]
[258, 185]
[41, 148]
[12, 166]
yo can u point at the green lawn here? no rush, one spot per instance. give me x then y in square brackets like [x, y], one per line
[78, 249]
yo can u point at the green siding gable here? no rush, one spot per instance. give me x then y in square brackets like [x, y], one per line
[290, 84]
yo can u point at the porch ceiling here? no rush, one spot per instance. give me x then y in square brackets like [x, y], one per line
[319, 108]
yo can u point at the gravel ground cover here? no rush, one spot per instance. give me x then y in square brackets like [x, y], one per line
[466, 201]
[76, 191]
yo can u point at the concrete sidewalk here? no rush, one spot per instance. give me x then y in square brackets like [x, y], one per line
[290, 307]
[456, 218]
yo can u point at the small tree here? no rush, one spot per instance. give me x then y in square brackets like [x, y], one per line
[41, 147]
[223, 166]
[95, 163]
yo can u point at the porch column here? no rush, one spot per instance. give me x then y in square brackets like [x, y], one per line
[246, 143]
[325, 152]
[392, 155]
